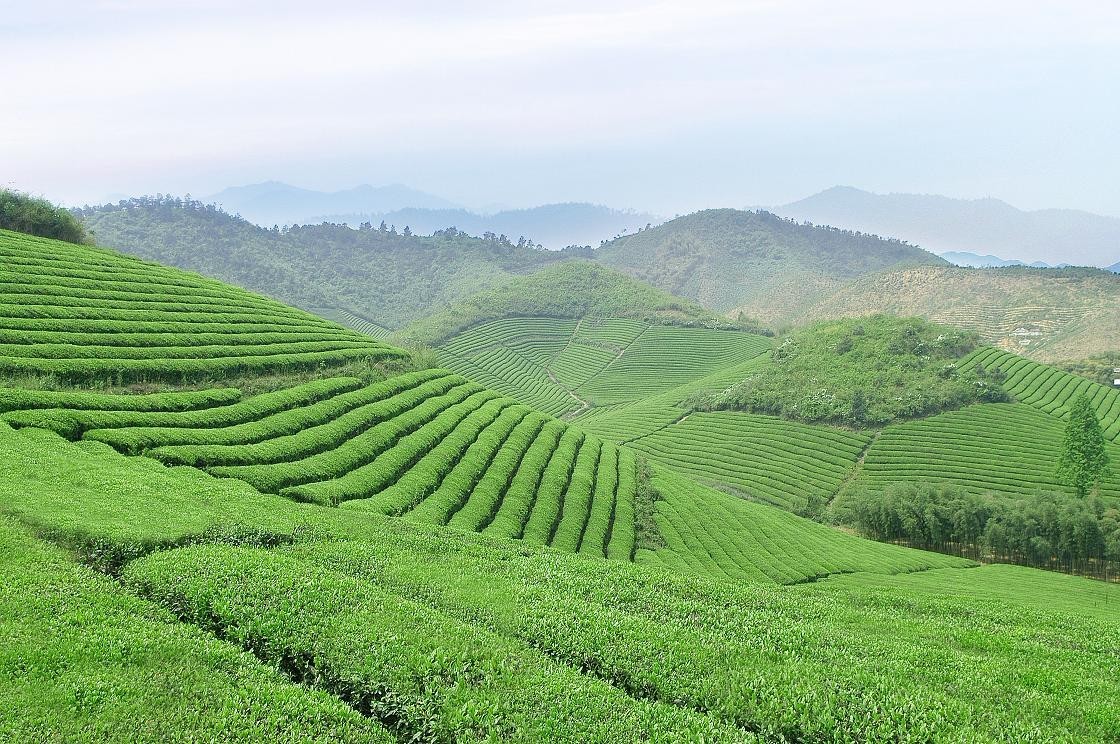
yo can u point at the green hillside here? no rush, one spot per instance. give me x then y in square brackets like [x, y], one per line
[565, 367]
[725, 259]
[407, 554]
[571, 290]
[440, 619]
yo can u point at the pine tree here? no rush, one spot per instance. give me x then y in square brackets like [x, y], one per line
[1083, 462]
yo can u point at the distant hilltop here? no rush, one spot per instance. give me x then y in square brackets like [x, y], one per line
[980, 226]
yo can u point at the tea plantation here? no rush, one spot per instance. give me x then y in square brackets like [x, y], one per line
[225, 519]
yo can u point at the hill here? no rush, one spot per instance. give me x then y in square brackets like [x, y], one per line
[725, 259]
[567, 366]
[274, 203]
[246, 606]
[864, 372]
[1046, 314]
[554, 226]
[569, 289]
[940, 224]
[387, 278]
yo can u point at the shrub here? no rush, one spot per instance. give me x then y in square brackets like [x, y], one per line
[27, 214]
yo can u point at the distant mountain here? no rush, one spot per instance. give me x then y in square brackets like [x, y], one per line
[274, 203]
[726, 259]
[551, 225]
[1115, 267]
[982, 226]
[963, 258]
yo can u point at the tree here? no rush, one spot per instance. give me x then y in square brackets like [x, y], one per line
[1083, 462]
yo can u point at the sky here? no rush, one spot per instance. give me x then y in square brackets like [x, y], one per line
[666, 107]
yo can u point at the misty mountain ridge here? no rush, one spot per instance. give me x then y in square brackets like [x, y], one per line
[276, 203]
[977, 261]
[554, 226]
[982, 226]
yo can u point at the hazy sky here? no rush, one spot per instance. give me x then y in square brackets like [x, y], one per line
[660, 106]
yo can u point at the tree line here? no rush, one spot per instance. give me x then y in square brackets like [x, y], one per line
[1045, 530]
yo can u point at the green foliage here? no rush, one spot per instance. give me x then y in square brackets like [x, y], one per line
[1043, 530]
[422, 673]
[1083, 461]
[563, 367]
[571, 289]
[84, 660]
[26, 214]
[865, 372]
[647, 535]
[436, 632]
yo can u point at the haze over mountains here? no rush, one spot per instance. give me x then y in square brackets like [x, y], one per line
[982, 226]
[552, 225]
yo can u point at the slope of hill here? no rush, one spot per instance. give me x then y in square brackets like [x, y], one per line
[726, 258]
[274, 203]
[571, 290]
[80, 314]
[362, 625]
[552, 225]
[1046, 314]
[381, 277]
[940, 224]
[565, 366]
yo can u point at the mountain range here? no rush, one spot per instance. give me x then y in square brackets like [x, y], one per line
[983, 226]
[554, 226]
[275, 203]
[977, 261]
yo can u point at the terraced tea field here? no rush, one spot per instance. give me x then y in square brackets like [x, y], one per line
[422, 558]
[79, 314]
[1002, 448]
[1048, 389]
[440, 618]
[429, 445]
[350, 320]
[765, 458]
[565, 367]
